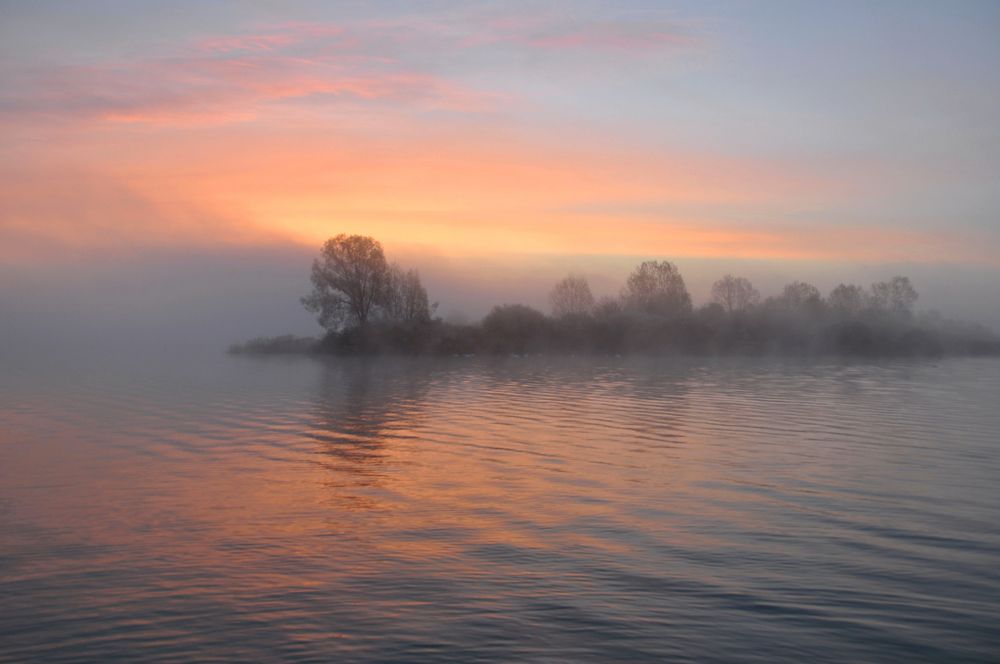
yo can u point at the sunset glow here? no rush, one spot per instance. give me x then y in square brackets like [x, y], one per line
[495, 131]
[499, 331]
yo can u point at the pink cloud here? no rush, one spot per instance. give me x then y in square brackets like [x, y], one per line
[242, 43]
[229, 78]
[274, 38]
[226, 78]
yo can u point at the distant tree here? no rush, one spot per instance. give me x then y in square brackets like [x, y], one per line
[349, 279]
[800, 295]
[735, 294]
[896, 296]
[847, 300]
[657, 288]
[608, 307]
[405, 297]
[571, 296]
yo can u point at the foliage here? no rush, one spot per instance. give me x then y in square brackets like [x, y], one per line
[406, 298]
[847, 300]
[349, 279]
[515, 328]
[896, 296]
[353, 284]
[656, 288]
[735, 294]
[369, 306]
[800, 296]
[571, 297]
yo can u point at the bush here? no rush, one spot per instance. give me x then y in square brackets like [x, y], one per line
[515, 328]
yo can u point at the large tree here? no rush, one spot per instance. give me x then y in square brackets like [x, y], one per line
[656, 288]
[735, 293]
[350, 279]
[571, 296]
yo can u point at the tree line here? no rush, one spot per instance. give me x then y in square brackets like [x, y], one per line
[368, 305]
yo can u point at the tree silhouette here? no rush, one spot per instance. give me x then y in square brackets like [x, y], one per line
[847, 300]
[801, 298]
[350, 278]
[735, 294]
[406, 298]
[514, 328]
[896, 296]
[799, 295]
[656, 288]
[571, 296]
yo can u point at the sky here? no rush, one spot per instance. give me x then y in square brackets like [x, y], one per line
[175, 165]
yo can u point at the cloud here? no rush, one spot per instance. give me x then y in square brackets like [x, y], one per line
[231, 78]
[273, 38]
[205, 90]
[218, 79]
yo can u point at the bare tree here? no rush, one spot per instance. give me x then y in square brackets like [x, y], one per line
[349, 280]
[657, 288]
[847, 300]
[571, 296]
[896, 296]
[735, 294]
[799, 295]
[405, 297]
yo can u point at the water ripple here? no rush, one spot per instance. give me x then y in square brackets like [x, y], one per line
[501, 510]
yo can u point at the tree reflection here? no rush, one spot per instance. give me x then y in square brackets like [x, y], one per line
[364, 411]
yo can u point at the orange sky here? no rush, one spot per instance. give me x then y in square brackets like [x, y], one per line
[636, 134]
[460, 191]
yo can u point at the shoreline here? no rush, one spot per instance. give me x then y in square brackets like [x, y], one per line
[333, 346]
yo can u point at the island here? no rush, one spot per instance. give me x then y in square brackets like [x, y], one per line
[369, 306]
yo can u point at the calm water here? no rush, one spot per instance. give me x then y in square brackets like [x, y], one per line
[521, 510]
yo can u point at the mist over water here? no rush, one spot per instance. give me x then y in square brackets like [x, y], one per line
[524, 509]
[499, 332]
[156, 302]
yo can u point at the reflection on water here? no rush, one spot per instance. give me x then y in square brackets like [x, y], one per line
[518, 510]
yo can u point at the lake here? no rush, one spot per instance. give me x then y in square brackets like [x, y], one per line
[524, 509]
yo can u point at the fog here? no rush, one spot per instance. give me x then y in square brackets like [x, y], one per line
[154, 300]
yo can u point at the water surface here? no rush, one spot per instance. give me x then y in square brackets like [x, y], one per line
[520, 510]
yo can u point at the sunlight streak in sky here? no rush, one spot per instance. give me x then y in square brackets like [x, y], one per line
[505, 128]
